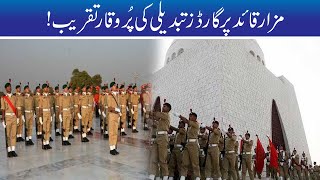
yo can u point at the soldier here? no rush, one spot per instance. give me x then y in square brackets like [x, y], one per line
[283, 163]
[179, 142]
[254, 160]
[267, 157]
[20, 110]
[57, 110]
[316, 170]
[123, 104]
[65, 115]
[203, 140]
[212, 166]
[9, 119]
[72, 112]
[101, 106]
[229, 158]
[45, 118]
[246, 156]
[36, 103]
[105, 113]
[146, 97]
[159, 151]
[304, 166]
[129, 93]
[296, 165]
[190, 154]
[76, 98]
[222, 148]
[236, 149]
[91, 108]
[113, 118]
[83, 104]
[28, 114]
[134, 100]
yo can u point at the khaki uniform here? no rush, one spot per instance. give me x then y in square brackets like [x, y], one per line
[57, 111]
[76, 99]
[146, 106]
[72, 109]
[113, 118]
[229, 158]
[175, 158]
[316, 172]
[36, 104]
[304, 168]
[29, 111]
[202, 139]
[212, 167]
[123, 109]
[246, 159]
[296, 167]
[102, 105]
[159, 150]
[221, 148]
[190, 154]
[65, 109]
[10, 120]
[20, 109]
[91, 110]
[283, 164]
[45, 105]
[129, 107]
[236, 149]
[83, 104]
[134, 100]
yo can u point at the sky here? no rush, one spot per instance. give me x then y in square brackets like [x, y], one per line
[298, 60]
[38, 61]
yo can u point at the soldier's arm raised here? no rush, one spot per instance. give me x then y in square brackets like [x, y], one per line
[185, 120]
[174, 128]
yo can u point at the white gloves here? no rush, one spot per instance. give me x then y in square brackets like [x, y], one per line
[99, 112]
[127, 108]
[40, 119]
[117, 110]
[18, 120]
[79, 116]
[104, 114]
[132, 112]
[3, 124]
[144, 110]
[176, 114]
[23, 119]
[60, 117]
[51, 118]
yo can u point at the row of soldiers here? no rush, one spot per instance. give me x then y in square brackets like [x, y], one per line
[72, 109]
[193, 153]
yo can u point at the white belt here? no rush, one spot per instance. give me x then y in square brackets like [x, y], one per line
[10, 114]
[18, 107]
[66, 109]
[28, 111]
[84, 107]
[75, 105]
[229, 152]
[246, 153]
[134, 105]
[192, 140]
[45, 110]
[122, 105]
[213, 145]
[146, 104]
[89, 105]
[152, 139]
[57, 106]
[162, 132]
[106, 107]
[37, 107]
[178, 145]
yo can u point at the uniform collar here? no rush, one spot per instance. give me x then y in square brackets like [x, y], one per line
[18, 94]
[65, 94]
[45, 94]
[9, 94]
[37, 93]
[88, 93]
[84, 93]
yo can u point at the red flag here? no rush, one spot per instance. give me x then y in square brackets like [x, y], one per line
[260, 155]
[273, 155]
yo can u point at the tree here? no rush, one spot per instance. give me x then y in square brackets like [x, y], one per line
[97, 80]
[80, 78]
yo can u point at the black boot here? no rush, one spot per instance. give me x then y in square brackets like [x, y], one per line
[90, 133]
[135, 131]
[30, 142]
[76, 130]
[58, 134]
[68, 143]
[21, 139]
[123, 133]
[14, 154]
[49, 147]
[106, 136]
[10, 154]
[39, 136]
[71, 136]
[85, 139]
[64, 143]
[114, 152]
[51, 139]
[18, 139]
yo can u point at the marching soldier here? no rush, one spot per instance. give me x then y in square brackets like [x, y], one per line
[65, 114]
[296, 165]
[304, 166]
[91, 108]
[202, 139]
[36, 102]
[246, 156]
[146, 104]
[76, 98]
[316, 170]
[84, 109]
[283, 163]
[222, 149]
[229, 157]
[134, 100]
[20, 110]
[57, 110]
[129, 93]
[28, 113]
[236, 149]
[175, 158]
[102, 104]
[72, 112]
[123, 104]
[9, 119]
[105, 113]
[45, 118]
[113, 118]
[159, 150]
[190, 154]
[212, 166]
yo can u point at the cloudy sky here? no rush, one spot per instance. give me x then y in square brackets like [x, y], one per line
[38, 61]
[298, 60]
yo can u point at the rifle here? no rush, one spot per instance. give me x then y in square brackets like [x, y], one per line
[240, 156]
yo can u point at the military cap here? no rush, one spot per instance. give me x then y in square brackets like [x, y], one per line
[230, 128]
[247, 133]
[7, 85]
[25, 87]
[64, 86]
[38, 87]
[57, 87]
[130, 85]
[134, 86]
[193, 113]
[44, 86]
[122, 86]
[18, 86]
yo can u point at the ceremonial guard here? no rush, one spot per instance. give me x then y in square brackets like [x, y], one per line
[84, 117]
[28, 114]
[134, 100]
[146, 104]
[123, 107]
[91, 108]
[236, 149]
[57, 110]
[304, 166]
[45, 118]
[65, 114]
[72, 112]
[113, 118]
[9, 119]
[283, 158]
[20, 112]
[229, 157]
[101, 106]
[190, 154]
[36, 102]
[203, 141]
[212, 166]
[247, 156]
[76, 99]
[296, 165]
[129, 114]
